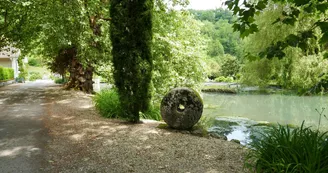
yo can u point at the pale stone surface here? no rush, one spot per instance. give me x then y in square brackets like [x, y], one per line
[182, 108]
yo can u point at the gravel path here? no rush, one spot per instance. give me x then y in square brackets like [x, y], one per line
[79, 140]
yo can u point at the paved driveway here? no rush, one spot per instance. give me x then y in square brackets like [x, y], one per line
[22, 135]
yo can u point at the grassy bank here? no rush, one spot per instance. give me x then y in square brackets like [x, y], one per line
[219, 89]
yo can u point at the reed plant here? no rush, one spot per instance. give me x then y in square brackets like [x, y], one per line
[285, 149]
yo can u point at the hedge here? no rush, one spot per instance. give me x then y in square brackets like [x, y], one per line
[6, 73]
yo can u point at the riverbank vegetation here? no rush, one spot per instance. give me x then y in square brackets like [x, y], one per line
[283, 149]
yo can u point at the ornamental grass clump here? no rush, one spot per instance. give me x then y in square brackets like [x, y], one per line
[107, 102]
[284, 149]
[152, 113]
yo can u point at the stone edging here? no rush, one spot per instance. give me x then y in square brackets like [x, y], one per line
[2, 83]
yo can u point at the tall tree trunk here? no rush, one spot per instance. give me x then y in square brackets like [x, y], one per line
[131, 35]
[80, 77]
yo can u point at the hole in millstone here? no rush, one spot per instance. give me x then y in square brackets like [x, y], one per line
[181, 108]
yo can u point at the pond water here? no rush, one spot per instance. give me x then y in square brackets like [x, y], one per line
[244, 112]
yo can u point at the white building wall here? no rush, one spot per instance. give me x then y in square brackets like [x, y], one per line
[9, 57]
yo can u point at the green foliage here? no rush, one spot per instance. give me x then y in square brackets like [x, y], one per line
[224, 79]
[294, 12]
[284, 149]
[213, 68]
[295, 71]
[60, 80]
[229, 39]
[215, 48]
[153, 113]
[257, 73]
[178, 51]
[41, 28]
[34, 62]
[320, 87]
[230, 66]
[213, 15]
[131, 35]
[2, 73]
[221, 38]
[307, 70]
[10, 73]
[107, 102]
[6, 73]
[258, 42]
[35, 76]
[16, 24]
[22, 70]
[293, 68]
[225, 65]
[221, 42]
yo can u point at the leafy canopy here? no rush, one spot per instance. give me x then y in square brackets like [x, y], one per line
[247, 10]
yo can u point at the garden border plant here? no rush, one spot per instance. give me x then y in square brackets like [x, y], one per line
[6, 74]
[284, 149]
[107, 102]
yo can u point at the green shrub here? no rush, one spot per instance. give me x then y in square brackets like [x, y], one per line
[108, 104]
[2, 74]
[6, 73]
[34, 62]
[152, 113]
[11, 73]
[224, 79]
[289, 150]
[213, 68]
[59, 80]
[34, 76]
[220, 79]
[22, 75]
[230, 66]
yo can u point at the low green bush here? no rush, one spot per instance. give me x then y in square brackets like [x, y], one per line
[6, 73]
[224, 79]
[107, 102]
[2, 76]
[11, 73]
[152, 113]
[59, 80]
[34, 76]
[284, 149]
[219, 79]
[34, 62]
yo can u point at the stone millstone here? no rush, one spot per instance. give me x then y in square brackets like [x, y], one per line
[182, 108]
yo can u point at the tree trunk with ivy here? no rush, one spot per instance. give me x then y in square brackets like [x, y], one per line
[131, 36]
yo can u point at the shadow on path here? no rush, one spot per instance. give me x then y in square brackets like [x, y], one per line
[23, 137]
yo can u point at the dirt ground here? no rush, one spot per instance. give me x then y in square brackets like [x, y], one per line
[79, 140]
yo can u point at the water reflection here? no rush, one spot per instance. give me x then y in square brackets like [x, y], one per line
[238, 116]
[272, 108]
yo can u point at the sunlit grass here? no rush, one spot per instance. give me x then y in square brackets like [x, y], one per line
[219, 89]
